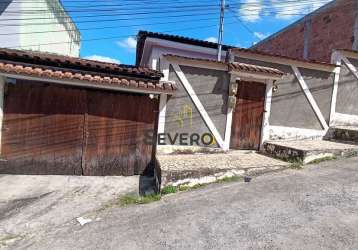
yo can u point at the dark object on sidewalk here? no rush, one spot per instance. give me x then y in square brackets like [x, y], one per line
[247, 178]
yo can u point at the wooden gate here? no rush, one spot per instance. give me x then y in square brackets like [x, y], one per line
[248, 115]
[51, 129]
[115, 128]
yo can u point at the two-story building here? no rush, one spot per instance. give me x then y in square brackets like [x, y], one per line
[41, 25]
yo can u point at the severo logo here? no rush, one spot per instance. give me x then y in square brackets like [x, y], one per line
[182, 139]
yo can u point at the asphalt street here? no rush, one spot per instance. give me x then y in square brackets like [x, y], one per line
[313, 208]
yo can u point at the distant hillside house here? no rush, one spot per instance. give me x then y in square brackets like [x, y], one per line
[41, 25]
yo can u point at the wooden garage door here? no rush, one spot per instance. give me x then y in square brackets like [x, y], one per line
[248, 115]
[42, 129]
[115, 130]
[51, 129]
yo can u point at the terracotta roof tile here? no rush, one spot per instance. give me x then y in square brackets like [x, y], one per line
[255, 69]
[258, 52]
[69, 68]
[236, 66]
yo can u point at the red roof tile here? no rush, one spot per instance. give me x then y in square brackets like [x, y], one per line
[235, 66]
[257, 52]
[70, 68]
[255, 69]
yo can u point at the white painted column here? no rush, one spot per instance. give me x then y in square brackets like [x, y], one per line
[229, 113]
[337, 60]
[265, 130]
[164, 67]
[2, 88]
[230, 110]
[227, 140]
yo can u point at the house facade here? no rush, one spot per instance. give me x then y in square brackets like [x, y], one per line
[70, 116]
[279, 98]
[315, 36]
[301, 100]
[41, 25]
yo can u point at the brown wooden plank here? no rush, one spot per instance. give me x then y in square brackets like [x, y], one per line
[247, 118]
[116, 126]
[42, 129]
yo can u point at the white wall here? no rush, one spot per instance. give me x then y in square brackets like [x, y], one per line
[155, 48]
[35, 32]
[7, 6]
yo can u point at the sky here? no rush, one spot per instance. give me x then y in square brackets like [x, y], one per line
[108, 27]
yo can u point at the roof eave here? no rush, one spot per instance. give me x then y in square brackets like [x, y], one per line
[283, 60]
[85, 79]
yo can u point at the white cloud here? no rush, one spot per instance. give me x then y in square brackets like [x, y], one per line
[250, 10]
[128, 43]
[102, 59]
[212, 39]
[260, 35]
[285, 10]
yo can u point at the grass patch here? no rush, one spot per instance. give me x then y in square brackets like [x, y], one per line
[137, 200]
[228, 179]
[327, 158]
[8, 238]
[183, 188]
[296, 165]
[170, 189]
[196, 186]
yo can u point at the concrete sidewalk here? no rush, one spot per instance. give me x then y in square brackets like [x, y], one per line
[204, 168]
[307, 151]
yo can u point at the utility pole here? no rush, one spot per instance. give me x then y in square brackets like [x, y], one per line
[221, 29]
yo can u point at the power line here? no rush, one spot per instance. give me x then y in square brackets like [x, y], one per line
[88, 8]
[195, 12]
[117, 37]
[122, 14]
[129, 14]
[143, 3]
[120, 19]
[83, 10]
[109, 27]
[128, 19]
[242, 23]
